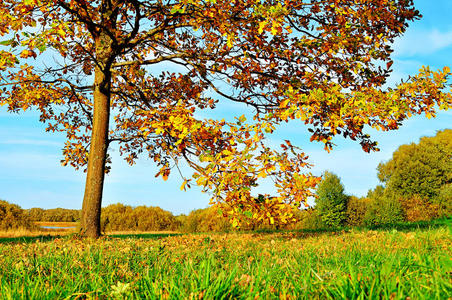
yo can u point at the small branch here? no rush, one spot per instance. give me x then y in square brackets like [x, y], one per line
[149, 61]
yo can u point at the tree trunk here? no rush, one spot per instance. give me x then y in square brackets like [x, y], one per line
[92, 200]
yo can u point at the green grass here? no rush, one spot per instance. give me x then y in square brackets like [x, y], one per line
[354, 264]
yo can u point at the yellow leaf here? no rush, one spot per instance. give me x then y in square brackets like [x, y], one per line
[261, 26]
[284, 103]
[182, 188]
[274, 30]
[262, 174]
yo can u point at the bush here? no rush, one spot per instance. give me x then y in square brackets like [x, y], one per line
[356, 210]
[444, 200]
[13, 217]
[54, 214]
[206, 220]
[120, 217]
[383, 210]
[311, 220]
[418, 208]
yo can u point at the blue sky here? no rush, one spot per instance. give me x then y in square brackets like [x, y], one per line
[31, 174]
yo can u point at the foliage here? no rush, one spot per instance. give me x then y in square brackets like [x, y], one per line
[383, 208]
[53, 215]
[417, 208]
[13, 217]
[206, 220]
[331, 202]
[351, 265]
[356, 210]
[119, 217]
[321, 62]
[307, 219]
[419, 169]
[444, 200]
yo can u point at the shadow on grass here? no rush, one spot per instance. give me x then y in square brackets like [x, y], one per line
[405, 226]
[444, 222]
[29, 239]
[143, 235]
[47, 238]
[421, 225]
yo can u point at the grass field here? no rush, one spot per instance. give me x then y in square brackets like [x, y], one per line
[354, 264]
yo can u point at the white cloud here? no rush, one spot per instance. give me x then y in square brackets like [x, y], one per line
[422, 42]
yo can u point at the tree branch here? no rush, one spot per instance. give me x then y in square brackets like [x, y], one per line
[149, 61]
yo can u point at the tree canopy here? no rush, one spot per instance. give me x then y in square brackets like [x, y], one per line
[138, 72]
[423, 169]
[419, 169]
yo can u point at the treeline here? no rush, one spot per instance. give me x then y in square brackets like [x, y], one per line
[53, 215]
[335, 209]
[416, 186]
[120, 217]
[13, 217]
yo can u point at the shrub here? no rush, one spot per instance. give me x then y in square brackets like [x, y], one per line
[54, 214]
[444, 200]
[383, 210]
[120, 217]
[356, 210]
[306, 219]
[205, 220]
[418, 208]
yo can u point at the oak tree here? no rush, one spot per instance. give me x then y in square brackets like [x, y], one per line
[104, 72]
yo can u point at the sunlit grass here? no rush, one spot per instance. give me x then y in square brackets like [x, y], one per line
[57, 224]
[358, 264]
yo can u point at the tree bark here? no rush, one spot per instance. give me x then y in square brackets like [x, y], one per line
[92, 200]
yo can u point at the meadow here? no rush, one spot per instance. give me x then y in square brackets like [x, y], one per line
[403, 263]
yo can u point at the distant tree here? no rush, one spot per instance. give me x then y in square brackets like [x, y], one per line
[36, 214]
[382, 209]
[152, 218]
[12, 217]
[331, 203]
[419, 169]
[62, 215]
[117, 217]
[376, 193]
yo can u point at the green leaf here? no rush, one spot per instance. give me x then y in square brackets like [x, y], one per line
[248, 214]
[7, 42]
[42, 47]
[177, 9]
